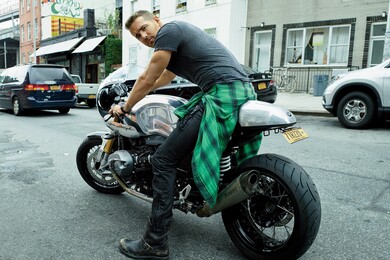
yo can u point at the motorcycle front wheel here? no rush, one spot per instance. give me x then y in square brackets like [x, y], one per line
[282, 219]
[100, 180]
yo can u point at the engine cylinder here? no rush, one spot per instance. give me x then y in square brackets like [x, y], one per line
[121, 162]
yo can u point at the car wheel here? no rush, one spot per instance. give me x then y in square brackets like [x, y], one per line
[64, 110]
[356, 110]
[16, 107]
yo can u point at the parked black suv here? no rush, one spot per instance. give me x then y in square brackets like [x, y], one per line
[37, 87]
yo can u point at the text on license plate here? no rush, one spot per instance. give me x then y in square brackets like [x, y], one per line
[92, 96]
[293, 135]
[261, 85]
[54, 88]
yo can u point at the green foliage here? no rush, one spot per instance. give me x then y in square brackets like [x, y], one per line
[112, 52]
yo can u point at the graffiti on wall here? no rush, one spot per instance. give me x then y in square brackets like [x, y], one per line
[69, 8]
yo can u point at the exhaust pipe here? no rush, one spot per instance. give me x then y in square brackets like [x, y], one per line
[239, 190]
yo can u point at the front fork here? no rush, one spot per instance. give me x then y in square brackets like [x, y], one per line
[105, 150]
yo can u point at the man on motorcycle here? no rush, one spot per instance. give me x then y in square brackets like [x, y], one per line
[206, 121]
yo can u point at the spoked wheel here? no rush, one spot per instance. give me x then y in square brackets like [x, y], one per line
[282, 219]
[290, 85]
[100, 180]
[16, 107]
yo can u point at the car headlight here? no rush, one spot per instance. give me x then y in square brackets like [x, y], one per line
[337, 77]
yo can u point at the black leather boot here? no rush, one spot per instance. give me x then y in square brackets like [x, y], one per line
[153, 245]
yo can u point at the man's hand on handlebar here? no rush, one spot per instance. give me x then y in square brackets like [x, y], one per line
[117, 110]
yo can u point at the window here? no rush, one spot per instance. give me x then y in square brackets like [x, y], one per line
[262, 50]
[36, 28]
[22, 33]
[28, 5]
[156, 7]
[212, 32]
[21, 6]
[210, 2]
[133, 52]
[28, 31]
[134, 6]
[318, 46]
[377, 44]
[181, 6]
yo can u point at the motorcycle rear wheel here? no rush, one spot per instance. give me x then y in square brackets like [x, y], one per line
[102, 181]
[282, 220]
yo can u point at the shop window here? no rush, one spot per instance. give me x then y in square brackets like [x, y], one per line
[318, 46]
[181, 6]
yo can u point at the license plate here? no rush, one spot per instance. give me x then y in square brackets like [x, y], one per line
[91, 96]
[261, 86]
[294, 135]
[55, 88]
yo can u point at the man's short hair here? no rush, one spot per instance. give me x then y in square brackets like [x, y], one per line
[145, 14]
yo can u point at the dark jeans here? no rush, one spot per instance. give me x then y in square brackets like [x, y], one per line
[178, 145]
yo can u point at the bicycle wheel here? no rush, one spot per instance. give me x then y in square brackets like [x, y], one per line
[290, 85]
[280, 85]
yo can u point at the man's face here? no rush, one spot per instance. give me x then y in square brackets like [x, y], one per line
[145, 30]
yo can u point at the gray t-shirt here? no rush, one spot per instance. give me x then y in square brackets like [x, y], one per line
[198, 57]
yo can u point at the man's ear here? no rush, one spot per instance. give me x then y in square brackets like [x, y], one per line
[157, 20]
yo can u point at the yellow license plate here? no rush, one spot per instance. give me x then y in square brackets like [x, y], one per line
[91, 96]
[294, 135]
[54, 88]
[261, 85]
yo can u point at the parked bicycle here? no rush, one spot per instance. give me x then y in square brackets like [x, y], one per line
[284, 81]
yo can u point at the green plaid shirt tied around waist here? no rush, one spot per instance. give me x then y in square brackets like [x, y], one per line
[221, 103]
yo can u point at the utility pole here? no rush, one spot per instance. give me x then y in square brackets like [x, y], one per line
[386, 50]
[34, 31]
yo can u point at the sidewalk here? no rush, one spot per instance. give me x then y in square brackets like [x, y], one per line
[302, 103]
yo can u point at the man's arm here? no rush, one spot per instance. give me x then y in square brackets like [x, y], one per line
[165, 78]
[147, 80]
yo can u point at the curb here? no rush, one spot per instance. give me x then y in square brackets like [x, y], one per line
[311, 113]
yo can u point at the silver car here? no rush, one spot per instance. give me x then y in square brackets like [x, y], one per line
[359, 97]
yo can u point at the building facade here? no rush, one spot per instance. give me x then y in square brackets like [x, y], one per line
[315, 37]
[9, 34]
[223, 19]
[308, 37]
[65, 33]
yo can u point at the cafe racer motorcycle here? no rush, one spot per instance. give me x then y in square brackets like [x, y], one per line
[269, 205]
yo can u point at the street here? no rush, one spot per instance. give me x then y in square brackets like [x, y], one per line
[48, 212]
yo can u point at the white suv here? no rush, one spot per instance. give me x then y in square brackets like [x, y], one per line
[359, 97]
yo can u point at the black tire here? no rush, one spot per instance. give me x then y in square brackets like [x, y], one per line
[282, 220]
[64, 110]
[16, 107]
[356, 110]
[101, 181]
[91, 103]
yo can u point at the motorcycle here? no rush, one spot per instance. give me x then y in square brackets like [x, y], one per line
[269, 205]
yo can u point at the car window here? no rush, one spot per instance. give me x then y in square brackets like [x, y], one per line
[49, 75]
[14, 75]
[76, 79]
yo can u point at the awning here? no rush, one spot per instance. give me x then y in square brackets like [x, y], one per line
[57, 47]
[89, 45]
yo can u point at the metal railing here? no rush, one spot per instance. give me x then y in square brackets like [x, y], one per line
[304, 76]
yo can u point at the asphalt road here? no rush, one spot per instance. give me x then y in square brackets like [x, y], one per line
[48, 212]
